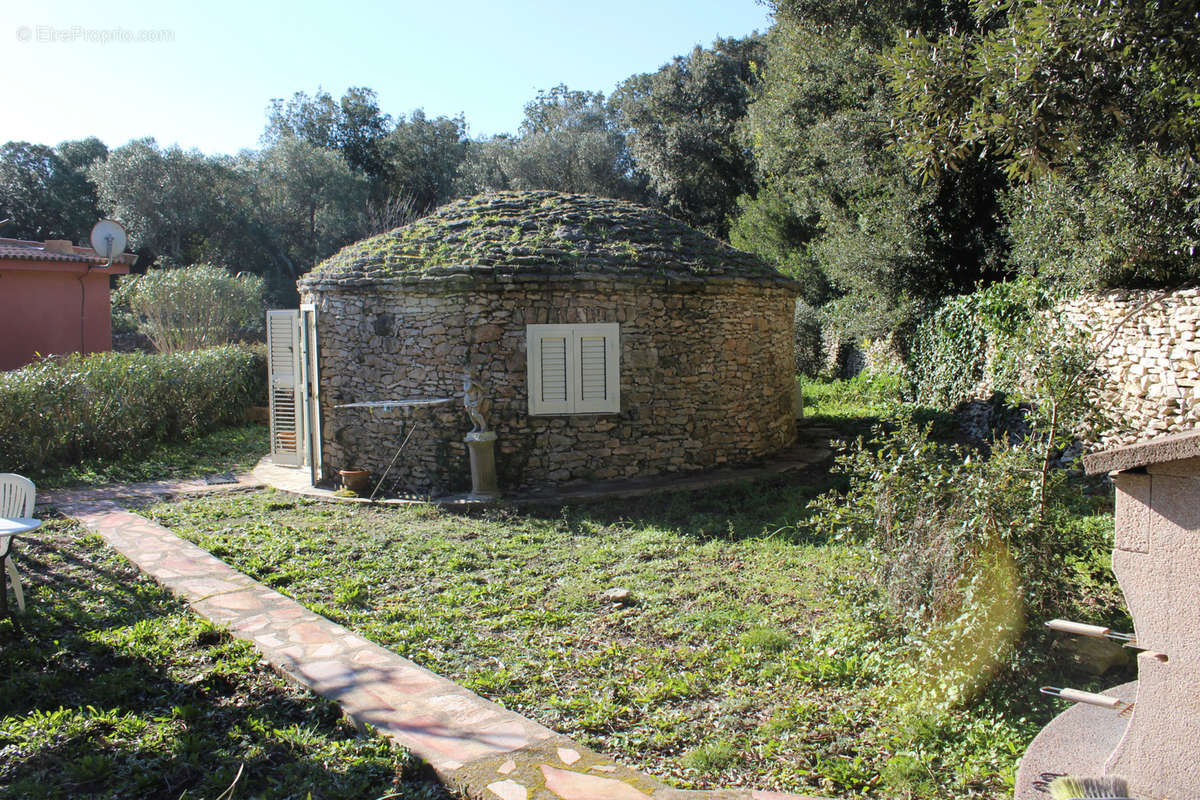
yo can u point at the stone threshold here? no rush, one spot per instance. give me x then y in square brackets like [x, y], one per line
[475, 746]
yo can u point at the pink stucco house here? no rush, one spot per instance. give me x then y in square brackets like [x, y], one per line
[54, 299]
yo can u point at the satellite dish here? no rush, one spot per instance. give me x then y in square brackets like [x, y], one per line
[108, 238]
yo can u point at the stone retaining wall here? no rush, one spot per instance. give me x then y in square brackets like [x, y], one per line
[1151, 355]
[705, 375]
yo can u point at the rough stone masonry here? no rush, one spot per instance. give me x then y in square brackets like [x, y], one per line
[705, 342]
[1148, 347]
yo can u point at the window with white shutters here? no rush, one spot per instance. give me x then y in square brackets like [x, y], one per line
[574, 369]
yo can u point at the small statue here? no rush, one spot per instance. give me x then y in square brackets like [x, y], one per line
[475, 403]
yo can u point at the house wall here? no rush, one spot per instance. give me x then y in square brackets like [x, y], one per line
[705, 375]
[53, 308]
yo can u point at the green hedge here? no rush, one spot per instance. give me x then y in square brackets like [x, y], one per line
[63, 409]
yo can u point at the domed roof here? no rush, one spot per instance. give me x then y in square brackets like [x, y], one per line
[541, 232]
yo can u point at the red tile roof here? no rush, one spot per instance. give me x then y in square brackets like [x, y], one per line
[21, 250]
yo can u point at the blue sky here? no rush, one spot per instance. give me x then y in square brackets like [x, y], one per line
[206, 71]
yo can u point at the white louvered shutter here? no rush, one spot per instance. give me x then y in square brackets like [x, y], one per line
[283, 372]
[548, 350]
[573, 369]
[598, 387]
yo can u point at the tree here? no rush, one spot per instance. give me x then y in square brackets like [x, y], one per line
[422, 158]
[414, 157]
[79, 154]
[482, 167]
[353, 126]
[45, 191]
[1093, 109]
[314, 119]
[169, 199]
[1118, 218]
[1037, 81]
[570, 142]
[681, 126]
[306, 201]
[360, 132]
[836, 195]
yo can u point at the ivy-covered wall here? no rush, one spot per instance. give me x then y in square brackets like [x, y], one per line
[1146, 346]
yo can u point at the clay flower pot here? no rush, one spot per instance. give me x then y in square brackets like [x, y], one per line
[356, 480]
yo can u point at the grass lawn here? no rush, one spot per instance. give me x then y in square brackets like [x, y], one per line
[748, 657]
[853, 406]
[109, 688]
[233, 449]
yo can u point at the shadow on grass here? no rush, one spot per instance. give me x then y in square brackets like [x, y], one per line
[111, 688]
[749, 510]
[235, 448]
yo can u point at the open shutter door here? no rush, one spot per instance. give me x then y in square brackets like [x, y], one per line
[549, 350]
[598, 386]
[283, 374]
[308, 338]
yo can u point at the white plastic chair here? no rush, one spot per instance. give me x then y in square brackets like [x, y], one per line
[17, 495]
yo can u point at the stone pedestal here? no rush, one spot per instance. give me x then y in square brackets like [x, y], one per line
[482, 445]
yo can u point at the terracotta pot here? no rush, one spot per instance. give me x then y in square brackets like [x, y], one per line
[356, 480]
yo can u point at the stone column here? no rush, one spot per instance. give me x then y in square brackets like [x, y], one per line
[482, 445]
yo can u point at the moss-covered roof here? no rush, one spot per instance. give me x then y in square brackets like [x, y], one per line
[541, 233]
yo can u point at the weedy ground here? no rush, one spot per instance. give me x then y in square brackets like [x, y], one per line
[751, 654]
[109, 688]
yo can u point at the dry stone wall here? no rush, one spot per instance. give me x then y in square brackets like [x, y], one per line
[705, 374]
[1148, 345]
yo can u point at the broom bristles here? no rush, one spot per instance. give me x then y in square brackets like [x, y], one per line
[1070, 787]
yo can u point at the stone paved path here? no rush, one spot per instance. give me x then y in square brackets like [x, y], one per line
[149, 491]
[475, 746]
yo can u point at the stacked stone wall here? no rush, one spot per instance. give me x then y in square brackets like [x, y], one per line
[849, 358]
[705, 375]
[1148, 347]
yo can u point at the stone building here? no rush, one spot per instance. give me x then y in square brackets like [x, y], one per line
[611, 341]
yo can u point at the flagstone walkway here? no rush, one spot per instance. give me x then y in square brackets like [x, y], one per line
[476, 746]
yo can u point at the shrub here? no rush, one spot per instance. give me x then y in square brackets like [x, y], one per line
[970, 543]
[967, 545]
[60, 410]
[187, 308]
